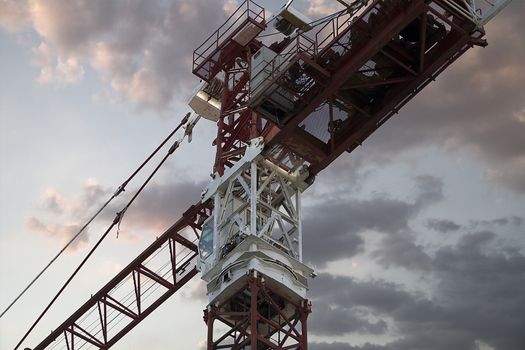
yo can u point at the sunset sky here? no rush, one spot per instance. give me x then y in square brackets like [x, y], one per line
[418, 237]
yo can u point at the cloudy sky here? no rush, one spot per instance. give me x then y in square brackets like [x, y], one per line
[418, 237]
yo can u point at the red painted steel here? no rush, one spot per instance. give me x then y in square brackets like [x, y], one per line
[345, 79]
[234, 128]
[221, 47]
[222, 56]
[155, 275]
[258, 317]
[370, 69]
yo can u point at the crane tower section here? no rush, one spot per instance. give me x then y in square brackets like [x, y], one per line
[250, 256]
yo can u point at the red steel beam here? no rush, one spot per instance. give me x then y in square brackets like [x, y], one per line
[402, 19]
[103, 301]
[260, 316]
[404, 95]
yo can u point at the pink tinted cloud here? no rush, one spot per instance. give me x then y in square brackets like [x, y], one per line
[62, 232]
[54, 202]
[14, 15]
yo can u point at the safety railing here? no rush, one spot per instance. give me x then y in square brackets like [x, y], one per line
[247, 11]
[337, 25]
[301, 44]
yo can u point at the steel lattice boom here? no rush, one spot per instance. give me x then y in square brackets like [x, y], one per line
[142, 286]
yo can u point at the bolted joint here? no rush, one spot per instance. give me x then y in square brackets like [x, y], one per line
[120, 189]
[175, 145]
[119, 215]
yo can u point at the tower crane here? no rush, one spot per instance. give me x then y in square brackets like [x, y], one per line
[284, 111]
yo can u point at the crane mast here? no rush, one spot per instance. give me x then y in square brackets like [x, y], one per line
[284, 112]
[251, 256]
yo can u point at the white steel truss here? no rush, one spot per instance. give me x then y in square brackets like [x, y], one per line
[479, 11]
[260, 200]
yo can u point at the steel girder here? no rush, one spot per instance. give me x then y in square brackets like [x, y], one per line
[362, 71]
[142, 286]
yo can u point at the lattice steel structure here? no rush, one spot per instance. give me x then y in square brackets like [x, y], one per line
[140, 288]
[257, 317]
[251, 255]
[284, 112]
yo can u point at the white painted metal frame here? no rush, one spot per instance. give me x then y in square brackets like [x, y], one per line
[479, 11]
[256, 225]
[259, 200]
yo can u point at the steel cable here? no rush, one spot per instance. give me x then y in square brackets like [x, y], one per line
[119, 190]
[116, 222]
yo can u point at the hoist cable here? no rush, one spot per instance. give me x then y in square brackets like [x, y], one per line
[116, 221]
[119, 190]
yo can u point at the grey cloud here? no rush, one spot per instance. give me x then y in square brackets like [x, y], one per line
[476, 106]
[430, 189]
[476, 240]
[503, 221]
[53, 202]
[380, 296]
[344, 346]
[477, 298]
[63, 232]
[442, 225]
[400, 249]
[93, 193]
[447, 226]
[160, 205]
[326, 320]
[332, 229]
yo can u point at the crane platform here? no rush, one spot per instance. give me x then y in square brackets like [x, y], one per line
[328, 91]
[228, 40]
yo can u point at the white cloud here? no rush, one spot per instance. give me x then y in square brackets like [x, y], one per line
[70, 25]
[65, 217]
[323, 7]
[54, 202]
[141, 49]
[56, 69]
[230, 6]
[63, 232]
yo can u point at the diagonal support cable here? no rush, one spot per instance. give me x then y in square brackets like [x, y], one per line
[119, 190]
[118, 218]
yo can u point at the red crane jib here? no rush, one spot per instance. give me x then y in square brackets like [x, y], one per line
[142, 286]
[335, 85]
